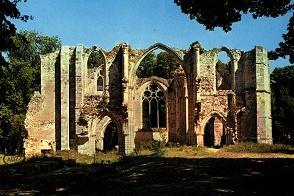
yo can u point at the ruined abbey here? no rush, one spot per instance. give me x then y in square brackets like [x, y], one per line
[92, 99]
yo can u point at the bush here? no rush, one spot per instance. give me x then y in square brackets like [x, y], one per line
[259, 148]
[157, 148]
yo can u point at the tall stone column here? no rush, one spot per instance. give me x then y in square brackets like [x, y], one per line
[197, 75]
[127, 128]
[196, 60]
[64, 83]
[79, 94]
[234, 67]
[196, 96]
[187, 104]
[263, 97]
[125, 61]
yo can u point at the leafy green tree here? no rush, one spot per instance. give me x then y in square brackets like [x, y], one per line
[18, 80]
[147, 65]
[223, 13]
[282, 80]
[8, 11]
[166, 65]
[96, 59]
[162, 65]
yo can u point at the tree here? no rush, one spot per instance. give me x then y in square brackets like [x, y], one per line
[147, 65]
[167, 64]
[282, 80]
[223, 13]
[18, 80]
[162, 65]
[8, 10]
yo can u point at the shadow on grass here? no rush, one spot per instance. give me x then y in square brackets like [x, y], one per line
[153, 176]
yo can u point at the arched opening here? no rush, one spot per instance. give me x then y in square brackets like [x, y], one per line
[96, 72]
[100, 83]
[110, 140]
[154, 107]
[214, 134]
[96, 59]
[223, 73]
[209, 133]
[158, 63]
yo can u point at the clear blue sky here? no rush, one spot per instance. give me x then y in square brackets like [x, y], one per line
[142, 23]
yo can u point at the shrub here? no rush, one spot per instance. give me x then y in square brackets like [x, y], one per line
[157, 148]
[259, 148]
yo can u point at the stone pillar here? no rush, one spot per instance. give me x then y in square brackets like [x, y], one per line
[186, 104]
[200, 135]
[197, 61]
[234, 67]
[79, 95]
[64, 83]
[127, 128]
[196, 95]
[125, 51]
[263, 97]
[125, 61]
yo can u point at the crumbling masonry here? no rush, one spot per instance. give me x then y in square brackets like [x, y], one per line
[100, 106]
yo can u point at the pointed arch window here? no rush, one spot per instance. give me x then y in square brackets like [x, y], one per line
[154, 107]
[100, 81]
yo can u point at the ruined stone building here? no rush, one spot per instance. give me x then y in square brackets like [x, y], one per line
[93, 99]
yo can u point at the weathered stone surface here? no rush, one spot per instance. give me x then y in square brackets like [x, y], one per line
[73, 112]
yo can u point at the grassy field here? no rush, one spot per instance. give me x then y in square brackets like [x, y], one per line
[243, 169]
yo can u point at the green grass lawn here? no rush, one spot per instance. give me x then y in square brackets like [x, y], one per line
[179, 171]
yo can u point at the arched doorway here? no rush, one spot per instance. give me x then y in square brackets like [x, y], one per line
[110, 139]
[209, 133]
[214, 134]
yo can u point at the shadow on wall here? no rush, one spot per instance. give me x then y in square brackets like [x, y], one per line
[115, 83]
[57, 104]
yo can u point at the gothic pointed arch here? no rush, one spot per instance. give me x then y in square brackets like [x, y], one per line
[151, 49]
[96, 72]
[213, 128]
[223, 69]
[108, 133]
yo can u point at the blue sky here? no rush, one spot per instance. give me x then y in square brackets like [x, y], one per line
[141, 23]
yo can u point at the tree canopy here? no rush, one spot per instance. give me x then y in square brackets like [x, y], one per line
[19, 78]
[223, 13]
[282, 80]
[162, 65]
[8, 11]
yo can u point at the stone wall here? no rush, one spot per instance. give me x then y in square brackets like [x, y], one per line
[40, 118]
[72, 113]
